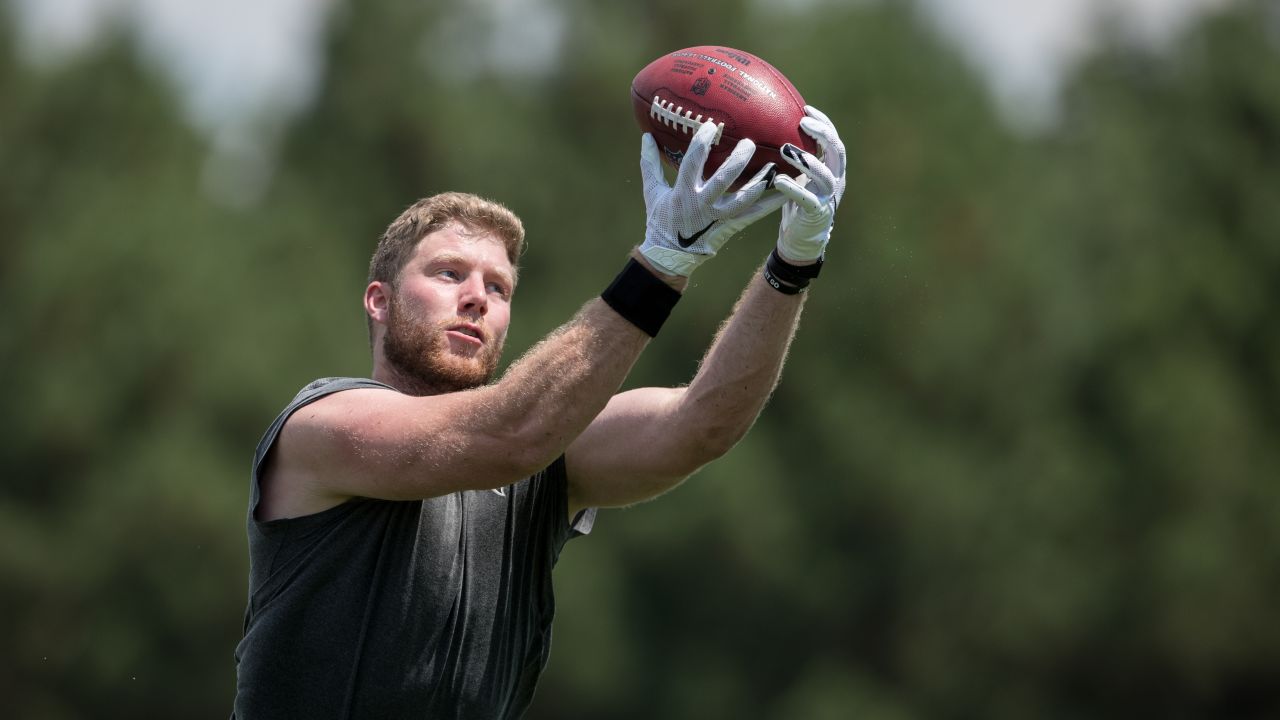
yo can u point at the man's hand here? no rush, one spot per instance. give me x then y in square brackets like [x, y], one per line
[810, 212]
[688, 223]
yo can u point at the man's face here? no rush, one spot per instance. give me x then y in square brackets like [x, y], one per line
[448, 314]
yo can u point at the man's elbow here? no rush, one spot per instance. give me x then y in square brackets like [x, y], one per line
[710, 443]
[712, 426]
[531, 449]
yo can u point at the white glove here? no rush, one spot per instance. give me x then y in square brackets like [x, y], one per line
[810, 212]
[688, 223]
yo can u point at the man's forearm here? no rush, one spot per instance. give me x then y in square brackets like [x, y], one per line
[742, 366]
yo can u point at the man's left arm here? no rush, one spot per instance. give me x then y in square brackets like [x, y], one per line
[648, 440]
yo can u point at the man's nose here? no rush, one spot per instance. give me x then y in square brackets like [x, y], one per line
[472, 298]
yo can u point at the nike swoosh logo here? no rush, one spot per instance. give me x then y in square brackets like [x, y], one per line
[687, 241]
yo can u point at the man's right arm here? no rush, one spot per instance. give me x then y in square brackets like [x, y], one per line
[384, 444]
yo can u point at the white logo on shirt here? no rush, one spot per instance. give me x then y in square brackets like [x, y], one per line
[502, 492]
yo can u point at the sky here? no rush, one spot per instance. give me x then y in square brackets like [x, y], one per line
[1024, 48]
[240, 59]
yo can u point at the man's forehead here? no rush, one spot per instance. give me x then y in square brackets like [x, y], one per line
[462, 242]
[455, 237]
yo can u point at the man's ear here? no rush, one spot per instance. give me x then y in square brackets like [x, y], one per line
[377, 299]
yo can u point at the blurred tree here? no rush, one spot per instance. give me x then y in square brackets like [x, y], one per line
[1155, 238]
[1019, 464]
[121, 580]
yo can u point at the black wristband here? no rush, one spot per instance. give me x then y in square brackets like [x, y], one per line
[786, 278]
[641, 298]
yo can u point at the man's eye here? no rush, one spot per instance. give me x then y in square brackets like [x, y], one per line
[499, 289]
[447, 273]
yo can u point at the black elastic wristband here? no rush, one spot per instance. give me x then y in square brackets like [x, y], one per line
[641, 298]
[786, 278]
[783, 287]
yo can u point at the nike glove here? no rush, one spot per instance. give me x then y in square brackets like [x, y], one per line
[688, 223]
[810, 211]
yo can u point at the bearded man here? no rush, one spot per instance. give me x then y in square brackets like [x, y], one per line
[403, 528]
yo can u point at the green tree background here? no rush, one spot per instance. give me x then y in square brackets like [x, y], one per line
[1022, 463]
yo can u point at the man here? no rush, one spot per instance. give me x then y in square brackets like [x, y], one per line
[402, 529]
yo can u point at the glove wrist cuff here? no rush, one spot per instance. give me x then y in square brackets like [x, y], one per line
[672, 261]
[786, 278]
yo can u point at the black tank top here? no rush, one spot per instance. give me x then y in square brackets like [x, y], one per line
[436, 608]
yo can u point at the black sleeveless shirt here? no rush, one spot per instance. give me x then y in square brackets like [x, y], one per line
[436, 608]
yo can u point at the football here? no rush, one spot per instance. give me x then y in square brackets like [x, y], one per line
[744, 96]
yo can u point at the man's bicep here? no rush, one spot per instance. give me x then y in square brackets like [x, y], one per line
[383, 444]
[633, 450]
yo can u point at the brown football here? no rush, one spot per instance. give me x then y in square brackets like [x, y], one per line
[744, 96]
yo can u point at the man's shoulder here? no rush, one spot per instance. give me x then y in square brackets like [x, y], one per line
[297, 452]
[318, 388]
[328, 392]
[286, 422]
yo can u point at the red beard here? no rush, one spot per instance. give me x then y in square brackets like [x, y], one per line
[419, 353]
